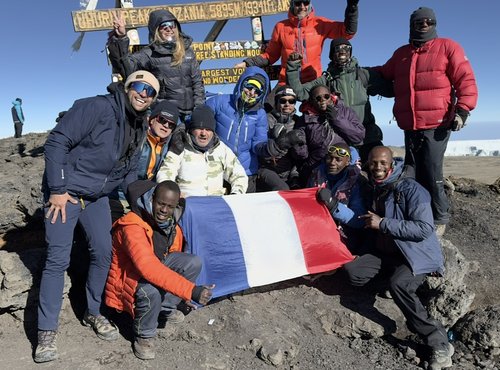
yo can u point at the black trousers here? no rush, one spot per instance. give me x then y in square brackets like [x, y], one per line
[403, 286]
[425, 153]
[18, 129]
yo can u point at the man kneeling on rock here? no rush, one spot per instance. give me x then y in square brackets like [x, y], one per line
[149, 273]
[400, 218]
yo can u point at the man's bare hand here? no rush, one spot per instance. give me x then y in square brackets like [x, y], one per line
[372, 221]
[57, 204]
[119, 25]
[240, 65]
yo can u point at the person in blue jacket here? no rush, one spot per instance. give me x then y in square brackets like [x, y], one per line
[242, 122]
[404, 244]
[339, 190]
[93, 149]
[17, 117]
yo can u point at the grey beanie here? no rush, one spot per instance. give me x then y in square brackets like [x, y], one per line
[422, 13]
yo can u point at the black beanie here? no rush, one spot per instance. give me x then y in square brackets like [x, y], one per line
[335, 43]
[202, 117]
[165, 109]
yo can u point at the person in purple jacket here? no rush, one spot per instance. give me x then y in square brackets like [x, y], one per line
[326, 121]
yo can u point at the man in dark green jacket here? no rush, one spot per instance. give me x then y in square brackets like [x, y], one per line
[354, 84]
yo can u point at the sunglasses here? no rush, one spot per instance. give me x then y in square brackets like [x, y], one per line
[166, 122]
[344, 47]
[300, 2]
[139, 87]
[285, 100]
[322, 97]
[341, 152]
[167, 24]
[424, 22]
[251, 87]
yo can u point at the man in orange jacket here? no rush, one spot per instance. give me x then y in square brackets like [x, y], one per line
[149, 274]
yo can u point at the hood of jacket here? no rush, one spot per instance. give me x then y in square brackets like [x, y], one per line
[249, 72]
[157, 17]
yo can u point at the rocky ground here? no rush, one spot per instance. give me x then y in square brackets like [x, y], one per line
[297, 324]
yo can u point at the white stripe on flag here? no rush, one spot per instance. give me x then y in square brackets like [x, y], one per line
[269, 237]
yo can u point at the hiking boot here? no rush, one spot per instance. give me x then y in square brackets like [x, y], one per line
[144, 348]
[170, 317]
[440, 229]
[441, 358]
[101, 325]
[46, 349]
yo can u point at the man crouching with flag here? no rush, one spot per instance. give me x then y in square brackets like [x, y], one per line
[149, 274]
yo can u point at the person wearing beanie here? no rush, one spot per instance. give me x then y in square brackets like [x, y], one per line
[17, 117]
[149, 274]
[435, 90]
[242, 122]
[169, 56]
[205, 163]
[355, 85]
[93, 149]
[304, 32]
[279, 172]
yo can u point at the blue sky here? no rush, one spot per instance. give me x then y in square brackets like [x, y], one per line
[40, 67]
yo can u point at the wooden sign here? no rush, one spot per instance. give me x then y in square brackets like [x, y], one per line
[96, 20]
[219, 49]
[221, 76]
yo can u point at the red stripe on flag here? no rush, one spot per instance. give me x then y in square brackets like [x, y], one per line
[321, 244]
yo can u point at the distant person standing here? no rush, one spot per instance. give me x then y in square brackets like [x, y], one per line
[434, 89]
[17, 117]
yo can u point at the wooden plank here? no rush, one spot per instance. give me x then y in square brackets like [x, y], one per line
[219, 49]
[219, 76]
[97, 20]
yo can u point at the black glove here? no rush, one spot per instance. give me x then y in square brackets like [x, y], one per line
[290, 139]
[459, 120]
[197, 294]
[177, 142]
[60, 115]
[351, 17]
[331, 112]
[325, 196]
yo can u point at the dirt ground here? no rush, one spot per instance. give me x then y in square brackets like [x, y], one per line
[284, 326]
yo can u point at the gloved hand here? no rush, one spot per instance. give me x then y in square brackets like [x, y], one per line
[177, 141]
[290, 139]
[202, 293]
[459, 120]
[60, 115]
[325, 196]
[295, 56]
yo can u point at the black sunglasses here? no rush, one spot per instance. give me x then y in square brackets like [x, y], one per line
[285, 100]
[424, 22]
[166, 122]
[300, 2]
[322, 97]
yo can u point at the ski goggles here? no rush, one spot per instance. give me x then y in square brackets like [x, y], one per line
[167, 24]
[139, 87]
[339, 152]
[343, 47]
[166, 122]
[250, 87]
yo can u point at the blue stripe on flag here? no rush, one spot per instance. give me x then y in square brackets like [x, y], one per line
[211, 233]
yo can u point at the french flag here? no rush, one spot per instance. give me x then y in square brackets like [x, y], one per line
[256, 239]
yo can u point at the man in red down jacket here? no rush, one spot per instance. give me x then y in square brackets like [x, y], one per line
[435, 89]
[304, 33]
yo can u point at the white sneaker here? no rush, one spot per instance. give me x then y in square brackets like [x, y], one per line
[441, 358]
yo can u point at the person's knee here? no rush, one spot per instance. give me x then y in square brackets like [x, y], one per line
[194, 265]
